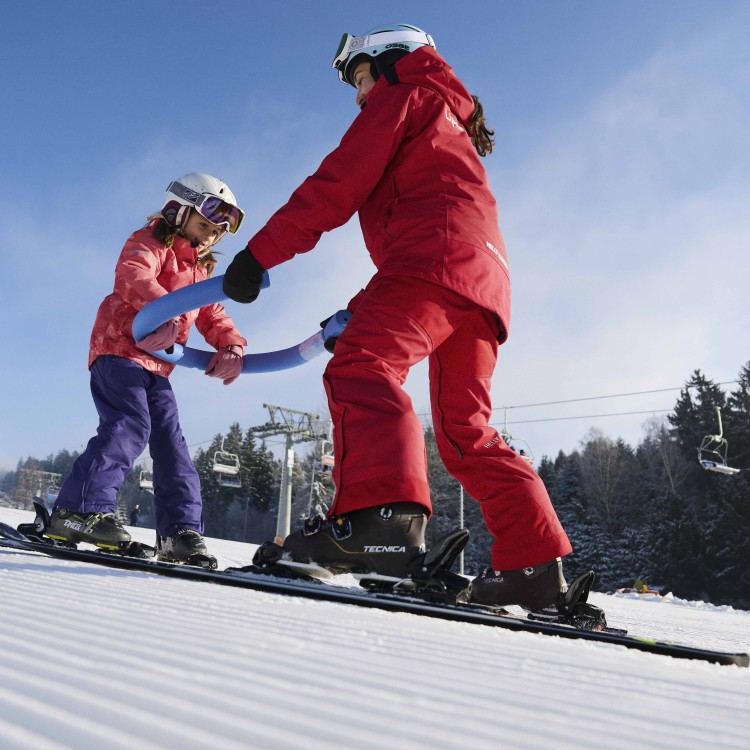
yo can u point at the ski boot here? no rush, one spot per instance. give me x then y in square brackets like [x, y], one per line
[535, 588]
[541, 590]
[382, 539]
[185, 546]
[102, 529]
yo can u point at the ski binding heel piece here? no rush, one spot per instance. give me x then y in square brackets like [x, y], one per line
[430, 577]
[573, 607]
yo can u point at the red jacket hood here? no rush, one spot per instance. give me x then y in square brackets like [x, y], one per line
[425, 67]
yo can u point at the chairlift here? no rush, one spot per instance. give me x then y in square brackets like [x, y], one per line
[226, 466]
[515, 443]
[712, 453]
[327, 461]
[146, 482]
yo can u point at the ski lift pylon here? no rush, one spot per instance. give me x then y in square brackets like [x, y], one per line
[712, 452]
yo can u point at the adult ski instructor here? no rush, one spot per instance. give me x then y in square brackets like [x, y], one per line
[409, 165]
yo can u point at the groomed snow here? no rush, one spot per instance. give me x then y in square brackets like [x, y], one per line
[93, 657]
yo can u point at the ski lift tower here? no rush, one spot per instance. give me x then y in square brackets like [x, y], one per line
[297, 427]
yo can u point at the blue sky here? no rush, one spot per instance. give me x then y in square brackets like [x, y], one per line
[621, 172]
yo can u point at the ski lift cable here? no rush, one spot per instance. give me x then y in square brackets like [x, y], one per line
[554, 403]
[588, 416]
[594, 398]
[614, 395]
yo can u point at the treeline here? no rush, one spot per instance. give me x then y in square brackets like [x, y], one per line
[245, 511]
[649, 511]
[653, 511]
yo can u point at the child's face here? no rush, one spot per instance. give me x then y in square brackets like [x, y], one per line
[363, 82]
[202, 233]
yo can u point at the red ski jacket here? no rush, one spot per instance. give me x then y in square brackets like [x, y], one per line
[408, 166]
[145, 271]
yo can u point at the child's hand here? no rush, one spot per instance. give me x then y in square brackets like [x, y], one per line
[162, 338]
[226, 364]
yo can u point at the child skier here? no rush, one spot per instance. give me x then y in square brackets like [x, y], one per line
[131, 390]
[409, 164]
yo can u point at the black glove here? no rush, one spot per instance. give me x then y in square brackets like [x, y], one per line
[243, 278]
[330, 342]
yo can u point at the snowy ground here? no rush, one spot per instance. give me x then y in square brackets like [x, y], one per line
[93, 657]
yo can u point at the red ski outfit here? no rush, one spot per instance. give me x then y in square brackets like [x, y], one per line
[441, 291]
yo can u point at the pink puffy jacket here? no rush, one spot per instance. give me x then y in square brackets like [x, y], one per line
[145, 270]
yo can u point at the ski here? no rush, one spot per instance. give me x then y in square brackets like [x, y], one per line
[309, 586]
[35, 532]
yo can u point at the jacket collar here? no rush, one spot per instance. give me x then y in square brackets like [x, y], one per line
[184, 251]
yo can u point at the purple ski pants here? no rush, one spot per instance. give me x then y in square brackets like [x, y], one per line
[136, 408]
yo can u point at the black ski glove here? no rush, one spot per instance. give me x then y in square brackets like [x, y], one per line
[243, 277]
[330, 342]
[342, 317]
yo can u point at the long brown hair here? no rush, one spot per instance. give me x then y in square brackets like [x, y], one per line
[480, 134]
[165, 233]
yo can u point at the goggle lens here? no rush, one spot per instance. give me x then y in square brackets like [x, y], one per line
[342, 52]
[218, 211]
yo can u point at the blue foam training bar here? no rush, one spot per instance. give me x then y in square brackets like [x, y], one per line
[208, 292]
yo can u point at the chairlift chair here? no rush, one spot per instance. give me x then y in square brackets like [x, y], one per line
[326, 462]
[226, 463]
[515, 443]
[146, 481]
[712, 452]
[226, 466]
[225, 480]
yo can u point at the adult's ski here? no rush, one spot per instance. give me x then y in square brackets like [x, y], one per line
[253, 577]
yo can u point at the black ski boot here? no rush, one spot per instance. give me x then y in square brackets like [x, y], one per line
[537, 588]
[180, 546]
[382, 539]
[184, 546]
[101, 529]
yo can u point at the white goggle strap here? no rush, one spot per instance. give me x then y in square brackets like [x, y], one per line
[185, 193]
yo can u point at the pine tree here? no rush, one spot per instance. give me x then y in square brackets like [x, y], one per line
[737, 422]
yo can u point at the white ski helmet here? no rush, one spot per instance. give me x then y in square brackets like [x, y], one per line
[394, 36]
[209, 196]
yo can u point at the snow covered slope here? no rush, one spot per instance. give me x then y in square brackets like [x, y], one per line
[94, 657]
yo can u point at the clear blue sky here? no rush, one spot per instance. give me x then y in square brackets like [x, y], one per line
[621, 171]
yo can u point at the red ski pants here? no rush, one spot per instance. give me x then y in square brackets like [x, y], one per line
[379, 440]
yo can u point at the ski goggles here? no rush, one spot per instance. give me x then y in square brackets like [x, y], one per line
[350, 45]
[210, 207]
[347, 45]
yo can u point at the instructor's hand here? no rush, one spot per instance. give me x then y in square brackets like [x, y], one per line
[243, 278]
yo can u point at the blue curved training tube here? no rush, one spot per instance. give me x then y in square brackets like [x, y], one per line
[208, 292]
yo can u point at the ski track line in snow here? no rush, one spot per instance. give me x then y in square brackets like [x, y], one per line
[98, 657]
[105, 631]
[82, 667]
